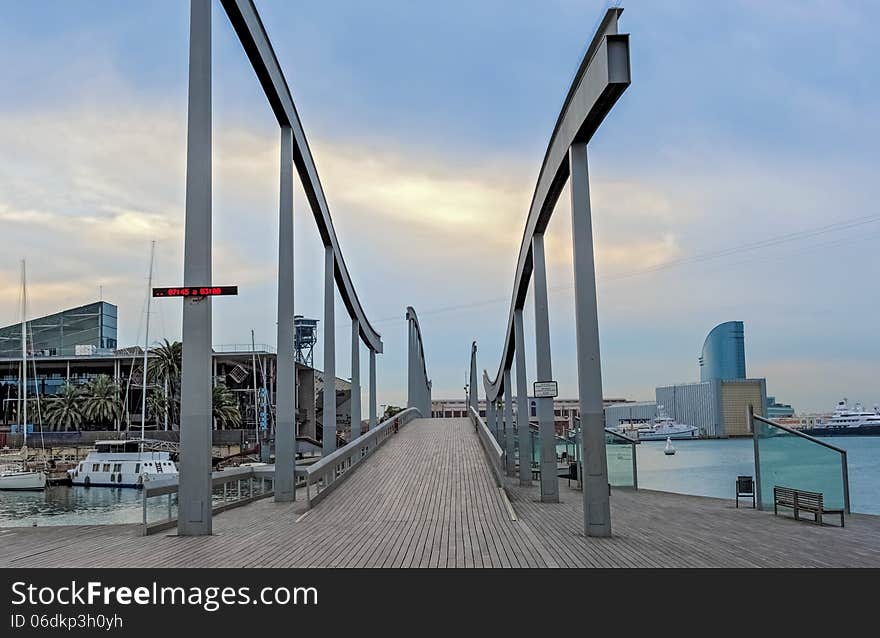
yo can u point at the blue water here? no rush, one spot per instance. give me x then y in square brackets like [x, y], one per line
[710, 467]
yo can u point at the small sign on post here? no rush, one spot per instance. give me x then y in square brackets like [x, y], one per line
[545, 390]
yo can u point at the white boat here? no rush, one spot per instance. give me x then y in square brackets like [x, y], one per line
[20, 479]
[846, 420]
[18, 476]
[669, 450]
[121, 464]
[665, 427]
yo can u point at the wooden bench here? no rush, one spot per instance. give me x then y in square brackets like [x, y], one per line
[802, 500]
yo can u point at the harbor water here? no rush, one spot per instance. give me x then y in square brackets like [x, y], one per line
[701, 467]
[77, 505]
[710, 467]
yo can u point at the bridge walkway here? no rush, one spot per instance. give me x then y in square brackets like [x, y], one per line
[428, 499]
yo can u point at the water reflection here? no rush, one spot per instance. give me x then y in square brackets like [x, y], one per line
[66, 505]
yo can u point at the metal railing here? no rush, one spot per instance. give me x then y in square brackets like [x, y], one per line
[230, 488]
[243, 347]
[330, 471]
[786, 457]
[493, 451]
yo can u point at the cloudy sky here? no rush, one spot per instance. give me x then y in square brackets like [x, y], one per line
[736, 178]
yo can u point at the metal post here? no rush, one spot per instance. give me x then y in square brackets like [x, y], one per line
[373, 417]
[285, 399]
[329, 434]
[355, 379]
[597, 503]
[508, 425]
[522, 403]
[750, 421]
[194, 501]
[490, 416]
[472, 389]
[546, 427]
[412, 395]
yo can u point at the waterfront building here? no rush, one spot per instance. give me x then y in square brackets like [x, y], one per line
[79, 344]
[717, 403]
[83, 330]
[717, 407]
[724, 354]
[777, 411]
[232, 367]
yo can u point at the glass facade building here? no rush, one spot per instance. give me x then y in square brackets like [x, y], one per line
[724, 353]
[85, 330]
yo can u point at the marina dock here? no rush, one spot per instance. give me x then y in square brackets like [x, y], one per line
[428, 498]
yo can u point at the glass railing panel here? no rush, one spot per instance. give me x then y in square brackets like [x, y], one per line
[791, 459]
[536, 448]
[620, 454]
[161, 508]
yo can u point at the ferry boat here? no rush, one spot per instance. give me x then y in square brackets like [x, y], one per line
[845, 421]
[665, 427]
[121, 464]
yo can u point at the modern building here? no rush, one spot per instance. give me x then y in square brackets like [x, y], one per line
[717, 403]
[778, 410]
[724, 353]
[233, 367]
[717, 407]
[84, 330]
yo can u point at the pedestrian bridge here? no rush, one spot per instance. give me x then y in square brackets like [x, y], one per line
[423, 492]
[429, 497]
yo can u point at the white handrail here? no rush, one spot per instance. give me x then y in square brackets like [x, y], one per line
[493, 450]
[331, 470]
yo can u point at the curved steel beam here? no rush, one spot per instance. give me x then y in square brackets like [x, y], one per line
[411, 316]
[250, 30]
[602, 77]
[419, 396]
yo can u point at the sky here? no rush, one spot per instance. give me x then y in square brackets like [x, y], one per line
[736, 179]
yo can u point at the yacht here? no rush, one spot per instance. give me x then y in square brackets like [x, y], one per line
[121, 464]
[665, 427]
[854, 421]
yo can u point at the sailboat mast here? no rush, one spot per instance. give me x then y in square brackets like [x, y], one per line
[256, 390]
[24, 348]
[147, 343]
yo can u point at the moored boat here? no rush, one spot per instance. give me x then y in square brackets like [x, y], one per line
[121, 464]
[847, 421]
[22, 479]
[665, 427]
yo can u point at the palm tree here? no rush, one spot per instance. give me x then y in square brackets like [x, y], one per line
[64, 410]
[225, 407]
[166, 363]
[157, 405]
[101, 401]
[165, 371]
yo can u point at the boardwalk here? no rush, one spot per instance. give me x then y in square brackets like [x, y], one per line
[427, 499]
